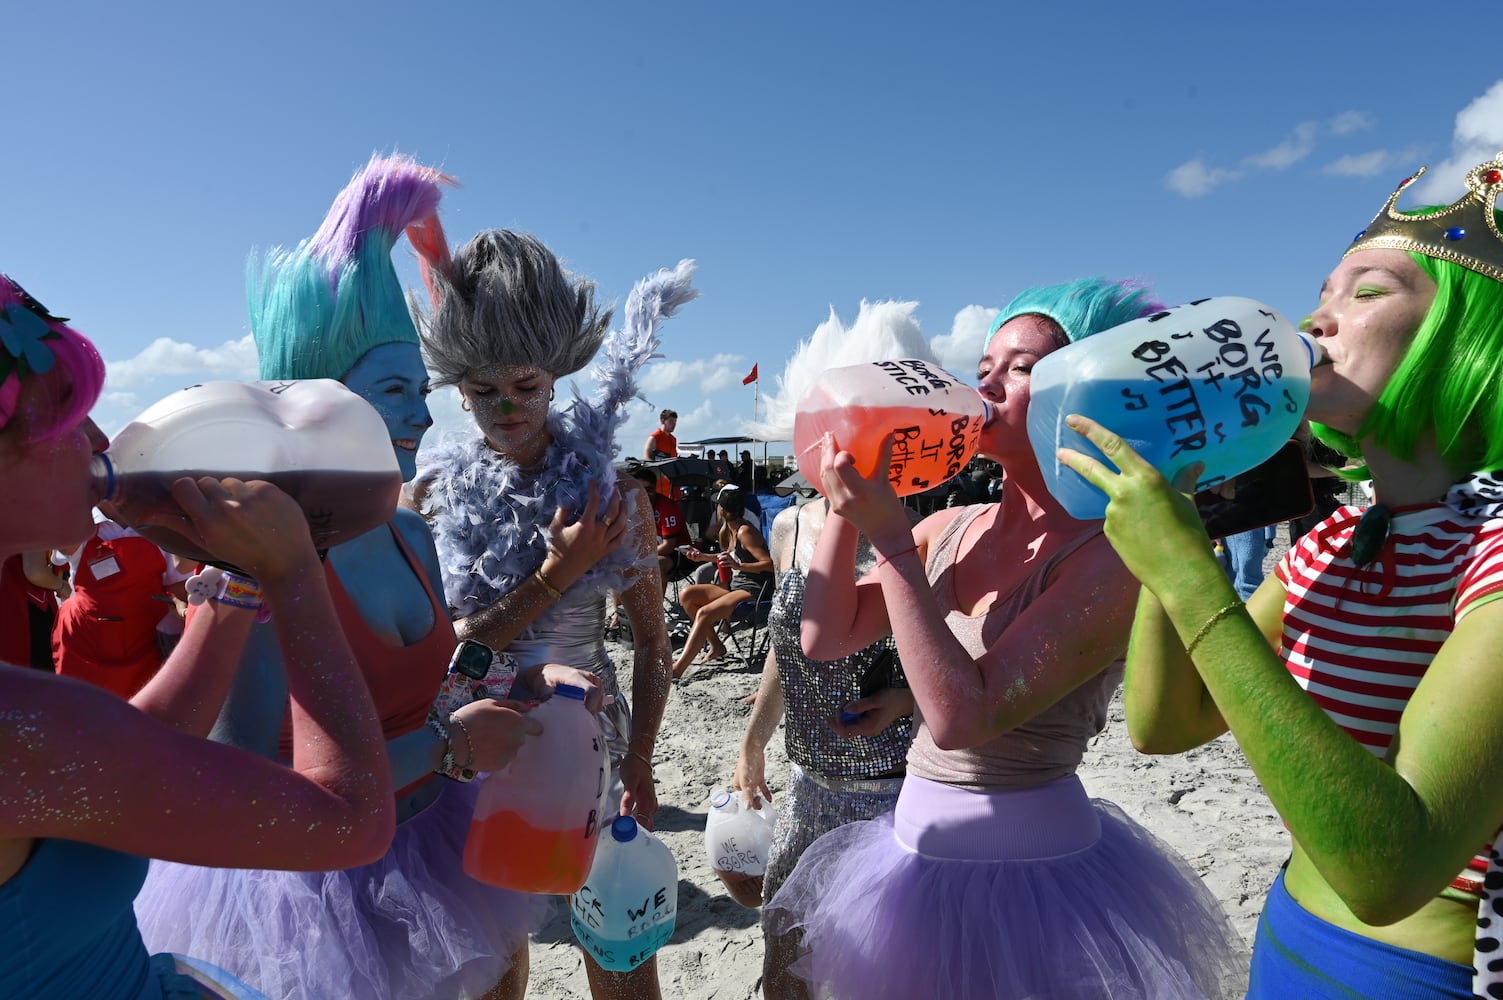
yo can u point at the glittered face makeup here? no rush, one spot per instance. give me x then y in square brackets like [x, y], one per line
[393, 380]
[510, 406]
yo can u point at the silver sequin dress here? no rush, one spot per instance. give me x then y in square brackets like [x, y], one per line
[836, 779]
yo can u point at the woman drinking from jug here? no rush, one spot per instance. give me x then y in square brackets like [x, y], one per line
[996, 875]
[91, 786]
[1360, 678]
[534, 528]
[412, 925]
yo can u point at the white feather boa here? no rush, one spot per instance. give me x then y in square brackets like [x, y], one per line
[490, 523]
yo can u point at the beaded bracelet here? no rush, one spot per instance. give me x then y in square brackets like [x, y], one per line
[466, 772]
[1210, 623]
[446, 765]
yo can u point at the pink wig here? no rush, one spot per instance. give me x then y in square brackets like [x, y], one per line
[36, 345]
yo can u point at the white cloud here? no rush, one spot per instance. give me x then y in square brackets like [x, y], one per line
[710, 374]
[1477, 138]
[961, 348]
[881, 331]
[1374, 162]
[128, 400]
[235, 359]
[1193, 179]
[1359, 164]
[1350, 121]
[1289, 152]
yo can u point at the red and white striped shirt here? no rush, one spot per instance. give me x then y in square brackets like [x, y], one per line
[1358, 639]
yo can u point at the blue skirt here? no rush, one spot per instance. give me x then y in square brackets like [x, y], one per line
[1297, 954]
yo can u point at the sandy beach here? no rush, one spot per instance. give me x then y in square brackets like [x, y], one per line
[1206, 804]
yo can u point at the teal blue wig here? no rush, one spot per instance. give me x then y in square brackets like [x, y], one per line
[317, 309]
[1080, 308]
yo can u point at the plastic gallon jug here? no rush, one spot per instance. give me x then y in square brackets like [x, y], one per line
[535, 822]
[316, 440]
[626, 910]
[933, 418]
[738, 840]
[1223, 381]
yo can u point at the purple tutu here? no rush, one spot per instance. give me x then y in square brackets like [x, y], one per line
[411, 925]
[1020, 894]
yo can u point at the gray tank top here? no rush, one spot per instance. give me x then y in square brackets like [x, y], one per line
[1045, 748]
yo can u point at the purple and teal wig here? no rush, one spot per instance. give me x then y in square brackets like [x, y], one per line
[317, 309]
[1080, 308]
[38, 346]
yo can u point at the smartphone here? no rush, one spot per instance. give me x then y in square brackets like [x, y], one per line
[877, 677]
[471, 658]
[1278, 490]
[475, 671]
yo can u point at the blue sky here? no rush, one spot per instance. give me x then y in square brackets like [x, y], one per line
[809, 156]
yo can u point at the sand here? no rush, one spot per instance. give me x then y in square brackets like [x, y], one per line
[1206, 804]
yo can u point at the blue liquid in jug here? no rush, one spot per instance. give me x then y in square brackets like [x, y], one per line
[1206, 427]
[623, 955]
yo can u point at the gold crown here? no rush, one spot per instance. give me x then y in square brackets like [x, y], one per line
[1465, 233]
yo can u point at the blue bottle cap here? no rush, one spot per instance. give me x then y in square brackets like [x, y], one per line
[570, 691]
[720, 798]
[623, 829]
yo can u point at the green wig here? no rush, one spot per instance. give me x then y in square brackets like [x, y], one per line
[1449, 382]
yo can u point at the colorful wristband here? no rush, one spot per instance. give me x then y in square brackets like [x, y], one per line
[215, 584]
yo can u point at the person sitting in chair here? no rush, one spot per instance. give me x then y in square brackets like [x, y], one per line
[745, 574]
[672, 530]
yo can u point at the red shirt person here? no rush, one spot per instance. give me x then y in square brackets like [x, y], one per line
[106, 633]
[672, 530]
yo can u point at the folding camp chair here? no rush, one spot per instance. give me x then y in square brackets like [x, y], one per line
[746, 630]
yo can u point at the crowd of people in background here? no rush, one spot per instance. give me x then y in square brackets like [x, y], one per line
[940, 665]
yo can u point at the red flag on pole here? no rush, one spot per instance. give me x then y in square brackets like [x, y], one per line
[750, 378]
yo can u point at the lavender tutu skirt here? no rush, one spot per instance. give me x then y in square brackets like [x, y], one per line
[411, 925]
[1041, 893]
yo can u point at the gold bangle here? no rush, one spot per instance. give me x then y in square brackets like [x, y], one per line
[640, 756]
[542, 580]
[1209, 624]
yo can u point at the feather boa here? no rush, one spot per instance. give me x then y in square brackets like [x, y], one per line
[490, 521]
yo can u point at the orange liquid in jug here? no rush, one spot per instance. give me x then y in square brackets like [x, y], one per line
[927, 448]
[505, 850]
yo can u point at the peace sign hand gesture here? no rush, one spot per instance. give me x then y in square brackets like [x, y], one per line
[1152, 524]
